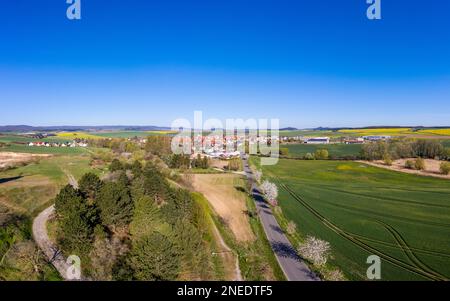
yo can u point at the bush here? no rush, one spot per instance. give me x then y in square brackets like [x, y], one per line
[409, 164]
[419, 164]
[321, 154]
[309, 156]
[445, 168]
[387, 159]
[284, 151]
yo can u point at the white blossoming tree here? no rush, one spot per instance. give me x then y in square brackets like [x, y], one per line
[316, 250]
[270, 191]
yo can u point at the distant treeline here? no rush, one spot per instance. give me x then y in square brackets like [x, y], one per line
[396, 149]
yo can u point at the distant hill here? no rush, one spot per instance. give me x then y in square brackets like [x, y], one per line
[27, 128]
[377, 127]
[289, 129]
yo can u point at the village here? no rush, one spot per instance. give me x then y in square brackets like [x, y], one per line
[58, 144]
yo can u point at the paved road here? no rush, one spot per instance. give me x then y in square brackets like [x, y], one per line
[291, 264]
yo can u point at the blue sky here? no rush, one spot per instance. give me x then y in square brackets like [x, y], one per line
[308, 62]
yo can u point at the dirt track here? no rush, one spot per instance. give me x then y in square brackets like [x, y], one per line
[431, 167]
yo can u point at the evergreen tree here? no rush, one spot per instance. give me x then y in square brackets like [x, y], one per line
[154, 257]
[115, 204]
[115, 165]
[90, 185]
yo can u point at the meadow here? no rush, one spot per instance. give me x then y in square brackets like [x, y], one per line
[334, 150]
[363, 210]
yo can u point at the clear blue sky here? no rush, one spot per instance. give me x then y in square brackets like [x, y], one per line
[308, 62]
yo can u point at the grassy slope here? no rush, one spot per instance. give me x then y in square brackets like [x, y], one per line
[256, 259]
[359, 199]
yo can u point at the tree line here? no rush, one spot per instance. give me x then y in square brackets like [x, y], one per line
[405, 148]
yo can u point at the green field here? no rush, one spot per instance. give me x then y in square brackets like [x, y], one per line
[363, 210]
[334, 150]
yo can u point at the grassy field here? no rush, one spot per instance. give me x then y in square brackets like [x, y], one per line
[19, 148]
[334, 150]
[363, 210]
[29, 188]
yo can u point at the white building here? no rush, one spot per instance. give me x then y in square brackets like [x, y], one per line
[318, 140]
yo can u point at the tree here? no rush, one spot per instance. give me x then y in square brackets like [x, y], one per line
[270, 191]
[321, 154]
[445, 168]
[136, 168]
[115, 204]
[146, 218]
[158, 145]
[90, 185]
[116, 165]
[154, 257]
[374, 150]
[419, 164]
[427, 148]
[104, 255]
[446, 154]
[315, 250]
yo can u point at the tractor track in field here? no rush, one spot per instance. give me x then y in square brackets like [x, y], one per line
[387, 188]
[392, 260]
[388, 199]
[395, 246]
[408, 252]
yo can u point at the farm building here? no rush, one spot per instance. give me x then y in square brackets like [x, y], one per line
[318, 140]
[354, 141]
[376, 138]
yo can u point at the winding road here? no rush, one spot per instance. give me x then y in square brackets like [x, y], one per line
[291, 264]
